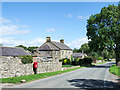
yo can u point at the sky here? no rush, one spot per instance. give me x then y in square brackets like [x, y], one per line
[29, 23]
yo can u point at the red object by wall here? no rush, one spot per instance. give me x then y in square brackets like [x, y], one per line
[35, 65]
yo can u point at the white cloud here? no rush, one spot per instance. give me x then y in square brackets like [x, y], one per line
[11, 29]
[69, 15]
[9, 41]
[50, 30]
[7, 28]
[78, 42]
[83, 17]
[4, 20]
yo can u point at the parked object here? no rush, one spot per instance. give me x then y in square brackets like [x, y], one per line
[23, 81]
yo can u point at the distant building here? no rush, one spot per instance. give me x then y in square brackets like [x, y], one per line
[12, 51]
[54, 51]
[79, 55]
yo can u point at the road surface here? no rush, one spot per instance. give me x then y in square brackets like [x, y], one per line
[91, 77]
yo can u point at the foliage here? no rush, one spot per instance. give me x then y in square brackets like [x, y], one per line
[100, 58]
[85, 48]
[67, 65]
[26, 59]
[94, 54]
[66, 61]
[103, 30]
[1, 45]
[31, 49]
[75, 50]
[24, 47]
[86, 61]
[76, 61]
[71, 58]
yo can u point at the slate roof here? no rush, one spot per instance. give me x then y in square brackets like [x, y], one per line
[61, 46]
[53, 46]
[77, 54]
[47, 46]
[12, 51]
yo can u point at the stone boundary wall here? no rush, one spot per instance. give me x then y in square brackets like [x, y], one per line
[12, 67]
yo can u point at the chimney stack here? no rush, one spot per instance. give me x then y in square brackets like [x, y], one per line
[48, 39]
[62, 41]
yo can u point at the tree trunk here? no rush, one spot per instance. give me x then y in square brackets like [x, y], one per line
[117, 52]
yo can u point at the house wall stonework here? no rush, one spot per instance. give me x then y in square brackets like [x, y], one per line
[12, 67]
[66, 54]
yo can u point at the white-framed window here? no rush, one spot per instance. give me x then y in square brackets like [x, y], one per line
[62, 52]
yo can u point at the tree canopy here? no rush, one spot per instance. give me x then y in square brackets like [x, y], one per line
[31, 49]
[103, 30]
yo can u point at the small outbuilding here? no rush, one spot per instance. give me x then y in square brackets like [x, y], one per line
[12, 51]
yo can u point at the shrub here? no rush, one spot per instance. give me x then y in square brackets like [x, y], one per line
[85, 61]
[88, 60]
[71, 58]
[76, 61]
[26, 59]
[100, 58]
[81, 61]
[66, 61]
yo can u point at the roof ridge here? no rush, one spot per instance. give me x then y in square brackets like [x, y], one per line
[10, 47]
[61, 44]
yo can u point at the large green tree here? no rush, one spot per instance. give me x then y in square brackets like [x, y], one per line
[103, 30]
[85, 48]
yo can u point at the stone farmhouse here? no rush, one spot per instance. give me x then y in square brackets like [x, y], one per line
[54, 51]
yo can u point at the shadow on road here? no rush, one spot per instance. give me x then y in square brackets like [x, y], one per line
[91, 83]
[102, 65]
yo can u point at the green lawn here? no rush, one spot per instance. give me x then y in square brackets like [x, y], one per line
[115, 70]
[29, 78]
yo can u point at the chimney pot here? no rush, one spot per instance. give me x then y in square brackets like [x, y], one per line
[48, 39]
[62, 41]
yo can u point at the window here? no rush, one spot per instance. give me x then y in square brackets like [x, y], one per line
[62, 52]
[55, 52]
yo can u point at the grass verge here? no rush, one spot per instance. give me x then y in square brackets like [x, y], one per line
[68, 65]
[115, 70]
[33, 77]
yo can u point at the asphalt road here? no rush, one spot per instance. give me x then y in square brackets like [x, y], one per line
[91, 77]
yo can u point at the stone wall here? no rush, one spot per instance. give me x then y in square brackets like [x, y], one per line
[12, 67]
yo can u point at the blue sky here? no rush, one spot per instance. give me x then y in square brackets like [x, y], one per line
[29, 23]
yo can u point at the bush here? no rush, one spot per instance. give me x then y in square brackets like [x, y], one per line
[81, 61]
[76, 61]
[100, 58]
[26, 59]
[85, 61]
[66, 61]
